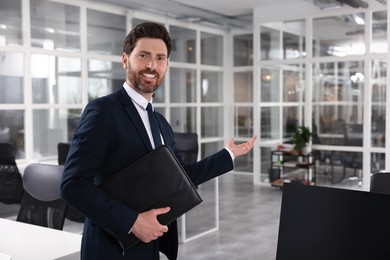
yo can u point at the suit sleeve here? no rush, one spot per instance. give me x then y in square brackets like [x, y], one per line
[210, 167]
[84, 165]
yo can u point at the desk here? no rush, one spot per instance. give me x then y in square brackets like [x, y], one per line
[25, 241]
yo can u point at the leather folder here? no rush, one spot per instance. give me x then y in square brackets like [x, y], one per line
[156, 180]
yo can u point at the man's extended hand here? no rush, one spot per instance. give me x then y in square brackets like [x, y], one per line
[147, 228]
[241, 149]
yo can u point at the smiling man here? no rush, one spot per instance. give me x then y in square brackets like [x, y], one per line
[113, 132]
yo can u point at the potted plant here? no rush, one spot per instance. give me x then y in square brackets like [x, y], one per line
[301, 138]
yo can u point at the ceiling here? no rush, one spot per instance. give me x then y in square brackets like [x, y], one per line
[226, 13]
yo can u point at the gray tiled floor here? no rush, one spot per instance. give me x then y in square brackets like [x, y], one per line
[249, 221]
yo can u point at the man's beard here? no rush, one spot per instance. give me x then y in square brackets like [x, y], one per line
[147, 88]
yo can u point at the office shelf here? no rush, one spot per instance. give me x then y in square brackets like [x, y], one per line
[288, 167]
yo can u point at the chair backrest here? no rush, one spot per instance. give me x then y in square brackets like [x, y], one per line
[380, 182]
[11, 184]
[187, 146]
[62, 149]
[353, 134]
[41, 203]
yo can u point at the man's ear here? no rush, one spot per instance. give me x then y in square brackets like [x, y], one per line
[124, 60]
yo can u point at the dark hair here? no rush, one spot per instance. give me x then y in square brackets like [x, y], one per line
[146, 30]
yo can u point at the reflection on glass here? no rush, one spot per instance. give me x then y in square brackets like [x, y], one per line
[210, 148]
[288, 42]
[183, 119]
[11, 22]
[105, 32]
[339, 35]
[196, 225]
[244, 163]
[183, 44]
[243, 121]
[269, 123]
[265, 164]
[208, 207]
[104, 77]
[12, 130]
[378, 161]
[346, 166]
[290, 121]
[338, 89]
[56, 79]
[159, 94]
[334, 129]
[11, 78]
[291, 46]
[243, 50]
[211, 86]
[50, 127]
[211, 49]
[378, 123]
[379, 32]
[211, 121]
[243, 86]
[55, 26]
[293, 84]
[161, 110]
[73, 117]
[183, 85]
[270, 85]
[270, 44]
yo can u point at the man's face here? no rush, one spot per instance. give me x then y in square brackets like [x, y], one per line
[146, 65]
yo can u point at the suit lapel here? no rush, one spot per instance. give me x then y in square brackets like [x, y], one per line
[132, 113]
[164, 130]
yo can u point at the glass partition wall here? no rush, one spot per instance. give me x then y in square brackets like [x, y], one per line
[72, 54]
[68, 54]
[328, 74]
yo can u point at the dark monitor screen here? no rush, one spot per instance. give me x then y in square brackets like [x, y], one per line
[331, 223]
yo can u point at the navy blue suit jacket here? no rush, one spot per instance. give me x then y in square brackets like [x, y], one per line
[110, 135]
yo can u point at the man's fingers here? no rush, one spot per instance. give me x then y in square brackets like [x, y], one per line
[161, 211]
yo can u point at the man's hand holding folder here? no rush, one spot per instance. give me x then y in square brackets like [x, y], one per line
[157, 187]
[147, 228]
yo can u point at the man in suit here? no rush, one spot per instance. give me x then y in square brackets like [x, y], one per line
[114, 131]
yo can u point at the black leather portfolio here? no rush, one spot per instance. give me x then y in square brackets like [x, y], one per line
[156, 180]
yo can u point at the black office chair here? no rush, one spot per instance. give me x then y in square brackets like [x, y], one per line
[71, 214]
[62, 150]
[187, 146]
[41, 203]
[353, 136]
[11, 184]
[380, 182]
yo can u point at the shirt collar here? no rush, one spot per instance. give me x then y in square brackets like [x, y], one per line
[136, 97]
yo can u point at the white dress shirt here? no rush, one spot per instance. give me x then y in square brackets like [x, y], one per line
[140, 104]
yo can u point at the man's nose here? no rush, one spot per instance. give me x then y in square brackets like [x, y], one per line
[152, 64]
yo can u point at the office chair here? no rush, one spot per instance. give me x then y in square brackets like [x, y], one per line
[353, 136]
[187, 146]
[380, 182]
[41, 203]
[11, 183]
[63, 150]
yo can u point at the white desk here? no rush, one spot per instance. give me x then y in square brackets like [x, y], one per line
[24, 241]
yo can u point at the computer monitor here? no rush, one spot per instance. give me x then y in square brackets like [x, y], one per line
[324, 223]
